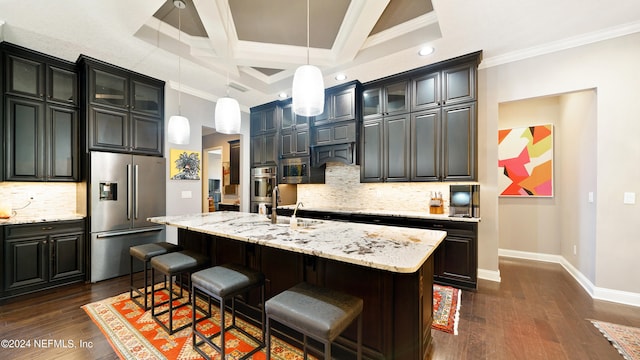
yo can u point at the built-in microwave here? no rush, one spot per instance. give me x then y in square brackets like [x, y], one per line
[299, 171]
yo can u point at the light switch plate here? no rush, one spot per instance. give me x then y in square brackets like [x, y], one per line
[629, 198]
[590, 196]
[186, 194]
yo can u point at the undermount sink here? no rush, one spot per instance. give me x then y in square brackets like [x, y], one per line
[300, 222]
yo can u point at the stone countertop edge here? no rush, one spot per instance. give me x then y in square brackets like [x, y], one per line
[391, 248]
[393, 213]
[17, 220]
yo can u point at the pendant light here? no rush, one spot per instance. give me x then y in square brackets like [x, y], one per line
[179, 130]
[308, 86]
[227, 115]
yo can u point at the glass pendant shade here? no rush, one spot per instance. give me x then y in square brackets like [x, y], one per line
[227, 118]
[179, 130]
[308, 91]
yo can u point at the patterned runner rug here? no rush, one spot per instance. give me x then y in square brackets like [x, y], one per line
[625, 339]
[134, 334]
[446, 308]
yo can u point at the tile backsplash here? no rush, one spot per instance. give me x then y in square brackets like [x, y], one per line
[42, 200]
[342, 189]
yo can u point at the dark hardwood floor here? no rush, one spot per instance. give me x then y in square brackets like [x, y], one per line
[538, 311]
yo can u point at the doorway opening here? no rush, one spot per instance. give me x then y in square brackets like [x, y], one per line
[212, 184]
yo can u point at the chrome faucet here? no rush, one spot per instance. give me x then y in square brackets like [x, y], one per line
[275, 197]
[296, 209]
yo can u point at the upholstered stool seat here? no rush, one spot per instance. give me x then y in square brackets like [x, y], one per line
[320, 313]
[144, 253]
[222, 283]
[174, 264]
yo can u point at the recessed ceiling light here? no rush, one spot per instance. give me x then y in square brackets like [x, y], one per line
[427, 50]
[282, 95]
[341, 77]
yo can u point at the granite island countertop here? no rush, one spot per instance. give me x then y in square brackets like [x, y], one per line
[391, 248]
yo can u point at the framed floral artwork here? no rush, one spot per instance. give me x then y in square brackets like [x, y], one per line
[185, 165]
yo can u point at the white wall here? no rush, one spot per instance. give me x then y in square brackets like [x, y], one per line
[200, 113]
[611, 68]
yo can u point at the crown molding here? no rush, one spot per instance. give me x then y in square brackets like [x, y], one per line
[564, 44]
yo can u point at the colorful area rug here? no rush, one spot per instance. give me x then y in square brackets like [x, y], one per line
[625, 339]
[134, 334]
[446, 308]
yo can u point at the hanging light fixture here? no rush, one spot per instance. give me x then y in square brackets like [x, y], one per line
[308, 86]
[179, 130]
[227, 116]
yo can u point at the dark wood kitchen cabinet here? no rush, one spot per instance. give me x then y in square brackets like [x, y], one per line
[384, 98]
[265, 118]
[335, 132]
[449, 86]
[384, 139]
[265, 121]
[41, 117]
[264, 150]
[42, 256]
[340, 104]
[38, 76]
[294, 133]
[234, 162]
[456, 259]
[385, 149]
[441, 137]
[443, 144]
[124, 109]
[345, 153]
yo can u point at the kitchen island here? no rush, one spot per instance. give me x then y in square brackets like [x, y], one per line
[390, 268]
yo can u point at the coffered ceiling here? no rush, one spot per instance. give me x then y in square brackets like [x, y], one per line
[261, 43]
[256, 45]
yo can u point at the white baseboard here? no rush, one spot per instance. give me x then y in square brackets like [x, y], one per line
[617, 296]
[489, 275]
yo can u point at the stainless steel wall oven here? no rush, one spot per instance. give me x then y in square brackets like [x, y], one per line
[263, 180]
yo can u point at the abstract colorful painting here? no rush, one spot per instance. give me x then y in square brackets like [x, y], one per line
[525, 161]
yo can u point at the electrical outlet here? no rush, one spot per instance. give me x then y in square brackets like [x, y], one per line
[629, 198]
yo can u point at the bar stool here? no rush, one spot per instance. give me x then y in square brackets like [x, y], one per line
[225, 282]
[174, 264]
[320, 313]
[144, 253]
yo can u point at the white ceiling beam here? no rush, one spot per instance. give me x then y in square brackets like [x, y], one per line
[361, 17]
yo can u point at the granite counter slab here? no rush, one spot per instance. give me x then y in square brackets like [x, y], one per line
[15, 220]
[390, 248]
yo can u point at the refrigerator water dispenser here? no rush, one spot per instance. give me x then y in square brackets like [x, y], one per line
[108, 191]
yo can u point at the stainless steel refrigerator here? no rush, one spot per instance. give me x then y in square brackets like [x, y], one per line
[124, 191]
